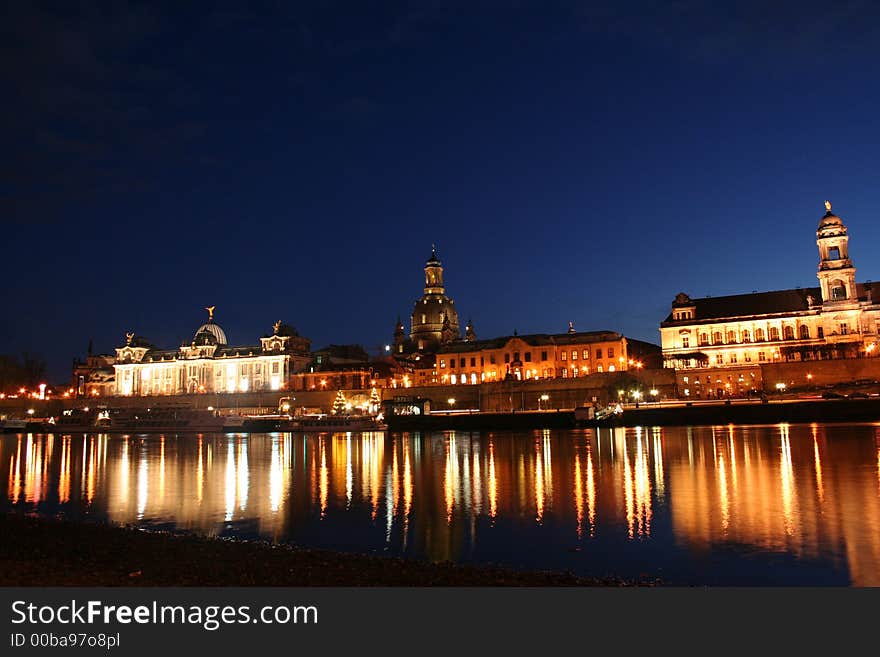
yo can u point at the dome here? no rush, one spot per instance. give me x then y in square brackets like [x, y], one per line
[829, 219]
[433, 261]
[210, 332]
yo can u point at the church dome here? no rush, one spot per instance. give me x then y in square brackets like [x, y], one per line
[829, 219]
[210, 333]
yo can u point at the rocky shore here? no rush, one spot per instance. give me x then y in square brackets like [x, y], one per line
[50, 552]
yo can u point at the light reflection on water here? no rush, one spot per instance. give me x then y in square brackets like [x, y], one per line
[795, 504]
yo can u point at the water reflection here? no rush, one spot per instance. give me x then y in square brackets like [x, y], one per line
[810, 494]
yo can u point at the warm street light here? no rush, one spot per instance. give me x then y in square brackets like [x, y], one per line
[543, 398]
[451, 401]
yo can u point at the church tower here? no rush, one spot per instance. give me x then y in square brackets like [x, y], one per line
[434, 317]
[837, 276]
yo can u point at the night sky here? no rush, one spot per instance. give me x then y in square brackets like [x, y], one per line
[572, 162]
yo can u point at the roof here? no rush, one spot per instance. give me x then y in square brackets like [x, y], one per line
[534, 340]
[748, 305]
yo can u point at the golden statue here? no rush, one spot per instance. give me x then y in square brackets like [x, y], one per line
[210, 310]
[128, 338]
[277, 326]
[828, 205]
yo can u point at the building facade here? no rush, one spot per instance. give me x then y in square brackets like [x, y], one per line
[209, 364]
[739, 333]
[538, 356]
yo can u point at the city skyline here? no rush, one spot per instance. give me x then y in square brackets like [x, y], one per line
[570, 165]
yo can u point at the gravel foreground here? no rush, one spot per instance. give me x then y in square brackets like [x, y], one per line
[51, 552]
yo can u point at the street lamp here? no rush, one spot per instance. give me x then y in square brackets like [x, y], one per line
[451, 402]
[543, 398]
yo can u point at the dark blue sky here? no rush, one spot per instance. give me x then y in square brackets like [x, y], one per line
[573, 162]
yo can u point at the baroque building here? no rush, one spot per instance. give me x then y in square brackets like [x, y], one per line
[209, 364]
[434, 320]
[837, 319]
[541, 356]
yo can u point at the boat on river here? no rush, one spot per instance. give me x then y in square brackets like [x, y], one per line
[336, 423]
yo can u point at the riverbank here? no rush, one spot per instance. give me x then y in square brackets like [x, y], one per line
[697, 413]
[51, 552]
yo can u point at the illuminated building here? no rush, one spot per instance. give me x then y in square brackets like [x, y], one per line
[209, 364]
[434, 320]
[741, 332]
[540, 356]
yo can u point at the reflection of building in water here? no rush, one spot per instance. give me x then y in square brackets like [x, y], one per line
[811, 491]
[810, 496]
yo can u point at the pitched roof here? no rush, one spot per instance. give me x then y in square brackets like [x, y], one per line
[747, 305]
[534, 340]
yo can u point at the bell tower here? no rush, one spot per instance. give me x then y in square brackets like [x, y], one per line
[837, 275]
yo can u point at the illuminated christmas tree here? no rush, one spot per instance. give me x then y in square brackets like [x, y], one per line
[339, 403]
[375, 402]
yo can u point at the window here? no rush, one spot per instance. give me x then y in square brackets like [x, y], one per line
[759, 335]
[528, 356]
[461, 362]
[761, 357]
[610, 352]
[564, 373]
[685, 379]
[516, 356]
[274, 368]
[719, 359]
[574, 354]
[731, 337]
[586, 354]
[491, 359]
[774, 333]
[748, 357]
[834, 253]
[598, 354]
[611, 368]
[716, 337]
[424, 319]
[473, 361]
[442, 363]
[685, 341]
[543, 355]
[747, 335]
[804, 332]
[482, 361]
[838, 290]
[599, 369]
[563, 355]
[506, 358]
[844, 329]
[732, 358]
[820, 332]
[704, 338]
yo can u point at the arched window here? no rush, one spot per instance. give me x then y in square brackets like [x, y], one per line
[774, 333]
[704, 338]
[716, 337]
[731, 337]
[759, 335]
[747, 335]
[838, 290]
[788, 331]
[805, 332]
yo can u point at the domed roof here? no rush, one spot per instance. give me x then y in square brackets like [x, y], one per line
[433, 261]
[829, 219]
[211, 333]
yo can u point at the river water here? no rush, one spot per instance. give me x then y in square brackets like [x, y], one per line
[729, 505]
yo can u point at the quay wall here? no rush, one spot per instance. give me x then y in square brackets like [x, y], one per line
[496, 396]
